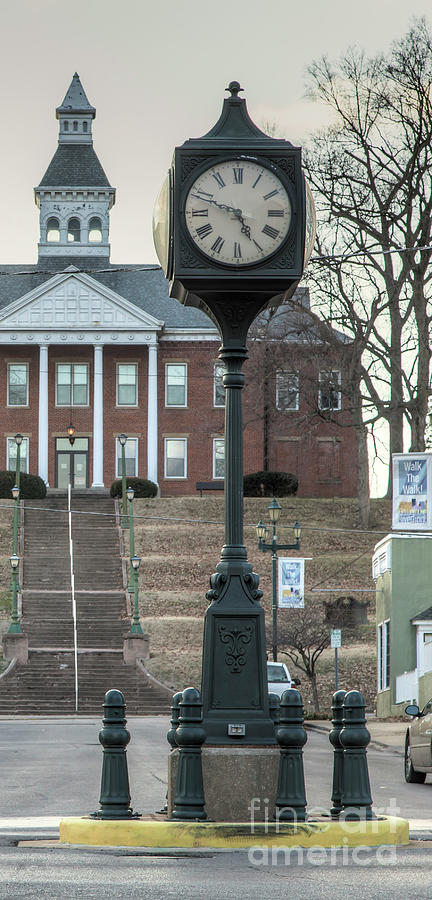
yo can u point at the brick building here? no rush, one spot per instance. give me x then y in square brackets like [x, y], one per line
[103, 347]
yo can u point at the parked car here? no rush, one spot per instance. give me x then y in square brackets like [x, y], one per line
[418, 743]
[279, 678]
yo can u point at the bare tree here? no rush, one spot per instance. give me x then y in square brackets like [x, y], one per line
[371, 173]
[303, 636]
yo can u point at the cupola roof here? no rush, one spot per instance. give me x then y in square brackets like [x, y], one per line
[76, 100]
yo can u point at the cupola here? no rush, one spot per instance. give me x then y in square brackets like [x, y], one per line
[74, 196]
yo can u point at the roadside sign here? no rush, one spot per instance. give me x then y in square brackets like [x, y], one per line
[335, 638]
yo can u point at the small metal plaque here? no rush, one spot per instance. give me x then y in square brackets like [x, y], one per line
[237, 730]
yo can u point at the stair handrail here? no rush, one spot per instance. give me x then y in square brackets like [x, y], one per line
[74, 611]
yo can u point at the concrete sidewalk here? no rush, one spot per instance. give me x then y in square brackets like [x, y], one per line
[383, 732]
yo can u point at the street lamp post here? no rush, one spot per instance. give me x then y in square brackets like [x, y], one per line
[122, 441]
[130, 493]
[275, 510]
[14, 627]
[136, 625]
[16, 493]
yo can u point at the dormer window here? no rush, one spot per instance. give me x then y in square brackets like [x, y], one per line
[74, 230]
[95, 231]
[53, 230]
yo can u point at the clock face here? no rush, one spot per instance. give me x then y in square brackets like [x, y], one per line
[238, 212]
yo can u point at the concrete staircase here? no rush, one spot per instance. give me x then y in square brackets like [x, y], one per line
[47, 683]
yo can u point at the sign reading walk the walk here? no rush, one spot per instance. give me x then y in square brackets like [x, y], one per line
[412, 486]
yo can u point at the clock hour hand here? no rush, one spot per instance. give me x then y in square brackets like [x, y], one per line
[245, 229]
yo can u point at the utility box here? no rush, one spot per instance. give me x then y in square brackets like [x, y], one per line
[402, 570]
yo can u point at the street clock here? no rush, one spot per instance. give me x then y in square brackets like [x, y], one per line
[233, 226]
[234, 215]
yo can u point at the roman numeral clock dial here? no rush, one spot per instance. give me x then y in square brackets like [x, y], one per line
[238, 212]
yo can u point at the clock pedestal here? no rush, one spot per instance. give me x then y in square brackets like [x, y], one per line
[234, 671]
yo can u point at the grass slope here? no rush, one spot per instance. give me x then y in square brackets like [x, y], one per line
[180, 539]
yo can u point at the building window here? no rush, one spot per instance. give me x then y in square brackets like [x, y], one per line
[72, 384]
[11, 451]
[176, 384]
[17, 384]
[218, 457]
[65, 126]
[75, 126]
[127, 385]
[218, 388]
[287, 390]
[53, 230]
[85, 127]
[381, 562]
[175, 457]
[131, 458]
[383, 637]
[74, 230]
[95, 231]
[329, 395]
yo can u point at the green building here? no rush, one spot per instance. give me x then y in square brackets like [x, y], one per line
[402, 569]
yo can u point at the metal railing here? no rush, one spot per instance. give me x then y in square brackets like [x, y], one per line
[74, 611]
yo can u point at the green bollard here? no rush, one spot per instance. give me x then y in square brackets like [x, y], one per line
[114, 794]
[338, 755]
[274, 703]
[171, 737]
[175, 714]
[354, 738]
[291, 737]
[190, 736]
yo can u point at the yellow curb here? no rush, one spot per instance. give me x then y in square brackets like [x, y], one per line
[230, 835]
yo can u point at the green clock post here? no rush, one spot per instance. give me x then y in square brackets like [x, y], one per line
[233, 224]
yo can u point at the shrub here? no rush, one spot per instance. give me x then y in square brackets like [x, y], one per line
[142, 487]
[270, 484]
[32, 487]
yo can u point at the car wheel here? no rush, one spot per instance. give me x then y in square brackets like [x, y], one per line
[411, 776]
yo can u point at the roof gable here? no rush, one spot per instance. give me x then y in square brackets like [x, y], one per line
[73, 300]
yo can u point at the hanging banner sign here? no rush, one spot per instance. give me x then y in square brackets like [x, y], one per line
[412, 487]
[291, 582]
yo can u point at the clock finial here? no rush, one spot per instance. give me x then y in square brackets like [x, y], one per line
[234, 88]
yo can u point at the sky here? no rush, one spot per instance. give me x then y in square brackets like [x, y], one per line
[156, 73]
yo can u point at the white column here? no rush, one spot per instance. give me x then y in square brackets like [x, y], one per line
[43, 414]
[152, 415]
[98, 417]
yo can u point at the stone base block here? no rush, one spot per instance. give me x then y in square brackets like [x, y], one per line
[236, 780]
[135, 646]
[15, 646]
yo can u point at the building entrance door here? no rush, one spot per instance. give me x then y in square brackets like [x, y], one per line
[72, 463]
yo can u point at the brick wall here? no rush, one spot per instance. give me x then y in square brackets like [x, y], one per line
[320, 451]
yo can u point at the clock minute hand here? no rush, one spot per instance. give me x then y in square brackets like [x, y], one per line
[237, 212]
